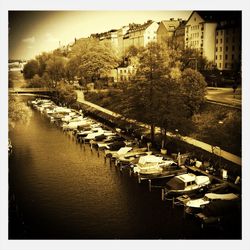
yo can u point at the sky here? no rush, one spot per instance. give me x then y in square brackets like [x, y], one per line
[33, 32]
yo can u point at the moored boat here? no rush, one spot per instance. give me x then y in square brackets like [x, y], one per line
[185, 184]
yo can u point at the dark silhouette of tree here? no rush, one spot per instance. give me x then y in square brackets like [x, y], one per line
[30, 69]
[65, 94]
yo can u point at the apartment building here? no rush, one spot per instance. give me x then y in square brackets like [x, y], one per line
[139, 35]
[217, 36]
[120, 36]
[228, 43]
[110, 37]
[179, 35]
[166, 30]
[200, 33]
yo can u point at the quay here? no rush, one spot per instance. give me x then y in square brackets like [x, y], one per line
[205, 146]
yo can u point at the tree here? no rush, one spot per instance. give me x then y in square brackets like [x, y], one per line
[18, 112]
[42, 61]
[55, 67]
[193, 87]
[154, 96]
[65, 94]
[30, 69]
[92, 59]
[190, 58]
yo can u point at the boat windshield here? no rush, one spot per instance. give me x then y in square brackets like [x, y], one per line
[175, 184]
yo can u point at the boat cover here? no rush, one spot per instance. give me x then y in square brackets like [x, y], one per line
[149, 158]
[213, 196]
[197, 203]
[124, 150]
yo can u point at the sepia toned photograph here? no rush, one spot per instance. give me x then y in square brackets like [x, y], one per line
[125, 125]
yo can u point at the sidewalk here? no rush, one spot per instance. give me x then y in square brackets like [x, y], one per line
[207, 147]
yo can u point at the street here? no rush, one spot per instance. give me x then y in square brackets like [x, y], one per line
[224, 95]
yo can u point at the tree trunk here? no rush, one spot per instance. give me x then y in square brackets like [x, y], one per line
[152, 133]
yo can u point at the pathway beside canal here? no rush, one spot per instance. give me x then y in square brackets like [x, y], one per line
[205, 146]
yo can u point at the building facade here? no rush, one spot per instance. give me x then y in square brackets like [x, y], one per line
[217, 37]
[166, 30]
[200, 33]
[228, 44]
[140, 35]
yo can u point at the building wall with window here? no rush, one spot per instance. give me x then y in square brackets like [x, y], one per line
[167, 29]
[228, 48]
[125, 74]
[200, 35]
[140, 35]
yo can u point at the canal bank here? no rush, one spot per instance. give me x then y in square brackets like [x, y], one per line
[204, 152]
[64, 190]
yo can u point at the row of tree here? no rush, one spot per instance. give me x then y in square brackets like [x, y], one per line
[166, 91]
[86, 60]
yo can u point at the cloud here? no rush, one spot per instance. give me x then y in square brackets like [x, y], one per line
[29, 40]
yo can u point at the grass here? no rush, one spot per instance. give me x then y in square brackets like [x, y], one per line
[214, 124]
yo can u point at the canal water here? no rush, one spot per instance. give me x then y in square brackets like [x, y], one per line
[60, 189]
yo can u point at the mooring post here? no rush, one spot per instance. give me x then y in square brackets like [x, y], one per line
[98, 153]
[130, 171]
[162, 194]
[139, 178]
[149, 185]
[173, 202]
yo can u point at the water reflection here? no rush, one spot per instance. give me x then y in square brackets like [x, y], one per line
[65, 190]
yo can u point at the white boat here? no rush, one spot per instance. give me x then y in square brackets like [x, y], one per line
[210, 197]
[148, 164]
[186, 184]
[153, 167]
[117, 153]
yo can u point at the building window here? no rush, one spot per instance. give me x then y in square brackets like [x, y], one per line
[216, 40]
[220, 57]
[226, 39]
[226, 56]
[216, 49]
[217, 33]
[225, 65]
[220, 48]
[125, 71]
[148, 37]
[226, 48]
[220, 40]
[216, 57]
[232, 56]
[220, 65]
[233, 48]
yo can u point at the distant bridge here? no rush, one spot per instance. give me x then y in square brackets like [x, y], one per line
[30, 90]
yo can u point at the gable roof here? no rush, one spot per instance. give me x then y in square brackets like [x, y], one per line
[217, 15]
[170, 25]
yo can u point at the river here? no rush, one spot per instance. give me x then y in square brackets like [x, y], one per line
[63, 190]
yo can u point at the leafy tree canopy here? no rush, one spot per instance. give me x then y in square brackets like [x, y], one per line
[92, 58]
[30, 69]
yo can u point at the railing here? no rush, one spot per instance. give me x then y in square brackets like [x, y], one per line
[30, 90]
